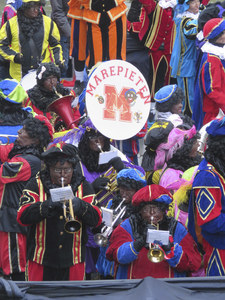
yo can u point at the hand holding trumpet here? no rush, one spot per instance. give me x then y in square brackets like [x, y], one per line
[100, 183]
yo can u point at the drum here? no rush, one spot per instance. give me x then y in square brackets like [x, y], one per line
[29, 80]
[118, 99]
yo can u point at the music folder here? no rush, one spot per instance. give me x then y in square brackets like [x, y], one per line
[61, 194]
[160, 237]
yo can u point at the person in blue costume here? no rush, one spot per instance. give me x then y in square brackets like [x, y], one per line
[184, 51]
[128, 248]
[207, 202]
[129, 182]
[12, 114]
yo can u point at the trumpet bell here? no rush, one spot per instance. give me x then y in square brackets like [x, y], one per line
[72, 226]
[101, 240]
[155, 255]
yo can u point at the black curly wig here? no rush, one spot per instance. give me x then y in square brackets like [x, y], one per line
[50, 69]
[214, 153]
[181, 159]
[12, 114]
[37, 129]
[89, 157]
[76, 180]
[129, 183]
[175, 99]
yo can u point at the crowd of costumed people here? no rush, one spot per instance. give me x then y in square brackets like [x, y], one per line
[132, 185]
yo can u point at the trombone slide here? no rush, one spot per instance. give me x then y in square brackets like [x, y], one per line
[7, 136]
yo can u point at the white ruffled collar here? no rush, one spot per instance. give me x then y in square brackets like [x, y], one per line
[188, 14]
[165, 4]
[215, 50]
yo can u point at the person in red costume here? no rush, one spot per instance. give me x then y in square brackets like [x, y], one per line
[157, 34]
[63, 254]
[128, 246]
[20, 162]
[210, 80]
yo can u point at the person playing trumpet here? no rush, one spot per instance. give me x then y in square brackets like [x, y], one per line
[128, 249]
[52, 252]
[90, 144]
[129, 181]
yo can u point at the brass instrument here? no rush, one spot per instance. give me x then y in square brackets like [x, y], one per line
[7, 137]
[204, 134]
[102, 239]
[155, 254]
[111, 186]
[71, 225]
[62, 107]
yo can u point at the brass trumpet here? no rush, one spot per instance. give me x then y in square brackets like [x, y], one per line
[7, 137]
[102, 239]
[111, 186]
[71, 225]
[155, 254]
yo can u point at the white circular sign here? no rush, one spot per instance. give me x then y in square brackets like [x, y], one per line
[118, 99]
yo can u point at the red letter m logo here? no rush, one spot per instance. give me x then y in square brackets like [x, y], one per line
[115, 102]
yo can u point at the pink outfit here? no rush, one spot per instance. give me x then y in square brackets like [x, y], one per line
[171, 179]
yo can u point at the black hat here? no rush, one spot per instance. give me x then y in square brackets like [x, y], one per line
[60, 151]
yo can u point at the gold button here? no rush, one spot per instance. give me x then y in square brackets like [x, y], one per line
[164, 39]
[103, 4]
[169, 16]
[103, 10]
[61, 233]
[165, 31]
[167, 25]
[60, 247]
[61, 217]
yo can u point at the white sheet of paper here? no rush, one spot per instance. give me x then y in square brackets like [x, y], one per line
[107, 216]
[158, 235]
[119, 153]
[62, 194]
[105, 157]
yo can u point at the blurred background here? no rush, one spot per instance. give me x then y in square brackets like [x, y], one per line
[47, 7]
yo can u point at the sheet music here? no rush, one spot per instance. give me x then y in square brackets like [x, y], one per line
[61, 194]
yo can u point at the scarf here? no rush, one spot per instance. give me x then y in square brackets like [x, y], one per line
[29, 26]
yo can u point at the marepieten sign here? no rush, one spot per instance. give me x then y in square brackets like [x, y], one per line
[118, 99]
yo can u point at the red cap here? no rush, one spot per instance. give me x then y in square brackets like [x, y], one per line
[213, 27]
[152, 192]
